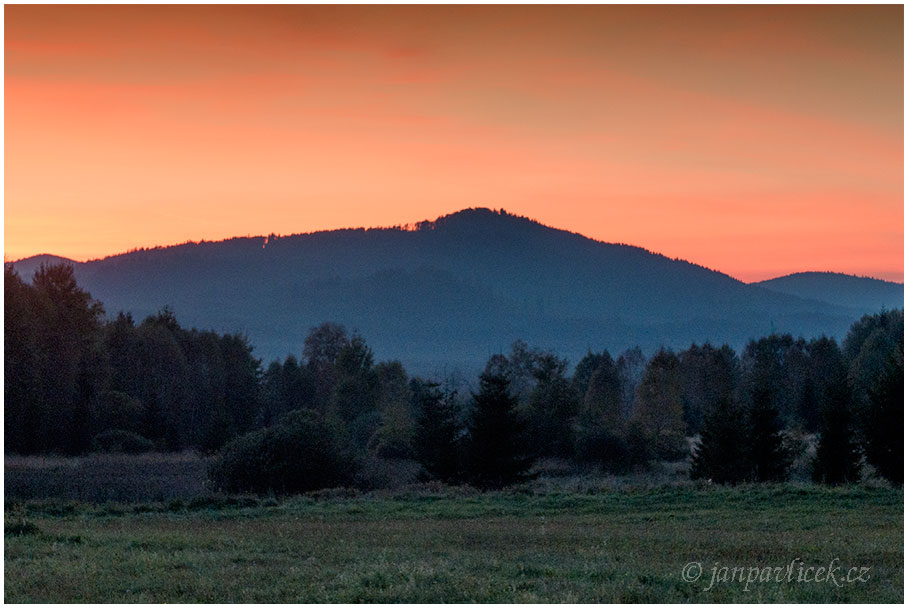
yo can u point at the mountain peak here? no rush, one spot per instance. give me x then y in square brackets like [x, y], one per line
[478, 217]
[26, 267]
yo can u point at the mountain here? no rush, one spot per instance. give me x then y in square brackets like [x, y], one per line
[860, 293]
[26, 267]
[446, 294]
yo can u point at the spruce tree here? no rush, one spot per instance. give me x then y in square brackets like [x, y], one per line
[553, 404]
[838, 459]
[721, 455]
[766, 452]
[883, 425]
[437, 433]
[496, 457]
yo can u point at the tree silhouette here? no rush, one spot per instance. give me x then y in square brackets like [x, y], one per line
[395, 435]
[766, 449]
[827, 377]
[838, 458]
[321, 349]
[709, 375]
[583, 372]
[883, 425]
[354, 399]
[70, 362]
[631, 364]
[873, 350]
[552, 406]
[721, 454]
[437, 436]
[657, 418]
[496, 457]
[21, 366]
[599, 433]
[764, 383]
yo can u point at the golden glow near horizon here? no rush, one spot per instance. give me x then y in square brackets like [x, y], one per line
[756, 140]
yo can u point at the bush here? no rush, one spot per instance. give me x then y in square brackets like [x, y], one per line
[671, 445]
[302, 453]
[121, 441]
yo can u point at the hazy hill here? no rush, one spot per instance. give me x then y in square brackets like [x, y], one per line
[863, 293]
[450, 292]
[27, 266]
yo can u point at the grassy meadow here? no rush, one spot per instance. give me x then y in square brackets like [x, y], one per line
[570, 539]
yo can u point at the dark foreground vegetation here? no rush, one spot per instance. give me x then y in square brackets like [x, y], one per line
[75, 382]
[457, 544]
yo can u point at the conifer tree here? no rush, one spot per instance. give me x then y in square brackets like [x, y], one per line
[437, 433]
[838, 459]
[721, 454]
[496, 457]
[766, 451]
[883, 425]
[551, 408]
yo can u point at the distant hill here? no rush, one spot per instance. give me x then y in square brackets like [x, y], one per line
[447, 294]
[861, 293]
[26, 267]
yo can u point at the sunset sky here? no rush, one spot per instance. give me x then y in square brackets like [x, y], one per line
[758, 141]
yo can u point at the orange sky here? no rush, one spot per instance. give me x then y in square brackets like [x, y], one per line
[755, 140]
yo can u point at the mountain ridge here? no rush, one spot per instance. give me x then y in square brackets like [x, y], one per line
[451, 291]
[34, 260]
[842, 289]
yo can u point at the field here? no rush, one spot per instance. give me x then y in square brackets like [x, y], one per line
[541, 542]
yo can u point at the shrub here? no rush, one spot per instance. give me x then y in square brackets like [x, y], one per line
[121, 441]
[303, 452]
[671, 445]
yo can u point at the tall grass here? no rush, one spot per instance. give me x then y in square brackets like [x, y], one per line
[99, 478]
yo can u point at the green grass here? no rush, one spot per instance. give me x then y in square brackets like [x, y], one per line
[455, 545]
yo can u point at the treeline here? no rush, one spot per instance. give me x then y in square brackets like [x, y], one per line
[70, 375]
[76, 382]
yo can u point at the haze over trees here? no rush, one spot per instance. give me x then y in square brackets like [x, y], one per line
[77, 381]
